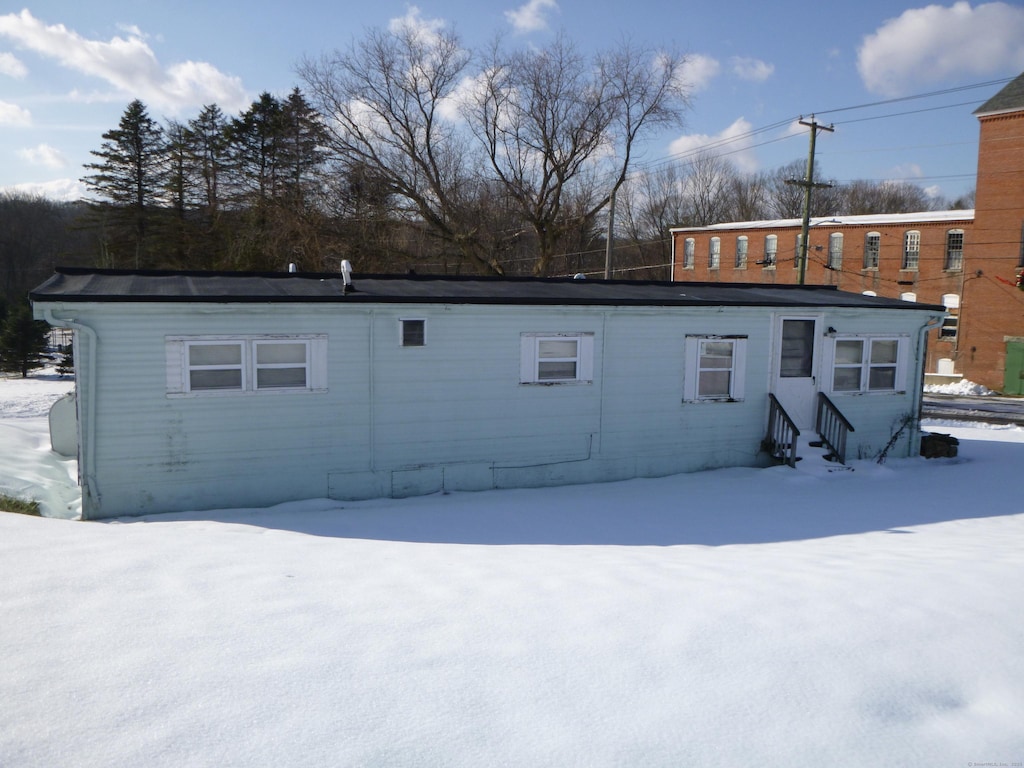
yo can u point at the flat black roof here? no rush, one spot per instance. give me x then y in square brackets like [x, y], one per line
[75, 284]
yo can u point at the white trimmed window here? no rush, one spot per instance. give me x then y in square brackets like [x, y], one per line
[214, 366]
[689, 249]
[954, 250]
[741, 252]
[715, 253]
[872, 249]
[556, 358]
[281, 364]
[868, 364]
[414, 332]
[715, 368]
[911, 249]
[835, 250]
[225, 365]
[771, 250]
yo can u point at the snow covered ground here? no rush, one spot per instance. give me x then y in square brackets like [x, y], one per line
[732, 618]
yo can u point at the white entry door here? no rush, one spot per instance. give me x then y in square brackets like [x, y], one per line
[796, 367]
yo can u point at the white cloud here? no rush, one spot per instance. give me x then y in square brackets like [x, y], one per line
[43, 154]
[128, 64]
[795, 128]
[12, 114]
[905, 171]
[67, 190]
[531, 17]
[934, 43]
[735, 144]
[698, 71]
[426, 30]
[11, 66]
[752, 69]
[465, 92]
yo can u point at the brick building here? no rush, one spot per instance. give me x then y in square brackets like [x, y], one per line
[967, 260]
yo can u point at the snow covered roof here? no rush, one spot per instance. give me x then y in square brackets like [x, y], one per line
[874, 219]
[71, 284]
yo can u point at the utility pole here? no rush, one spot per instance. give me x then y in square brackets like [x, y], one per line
[808, 185]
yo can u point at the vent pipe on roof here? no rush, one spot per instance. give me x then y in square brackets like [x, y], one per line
[292, 268]
[346, 275]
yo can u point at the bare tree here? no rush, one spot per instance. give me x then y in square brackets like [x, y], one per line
[786, 198]
[966, 200]
[550, 122]
[652, 202]
[749, 197]
[384, 104]
[647, 206]
[864, 197]
[707, 186]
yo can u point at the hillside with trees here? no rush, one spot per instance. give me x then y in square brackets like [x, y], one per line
[387, 158]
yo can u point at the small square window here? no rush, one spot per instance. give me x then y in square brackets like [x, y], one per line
[281, 365]
[556, 358]
[215, 366]
[714, 368]
[414, 333]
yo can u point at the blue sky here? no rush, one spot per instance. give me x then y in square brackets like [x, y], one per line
[68, 69]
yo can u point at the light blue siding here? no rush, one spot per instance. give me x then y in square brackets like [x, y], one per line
[450, 415]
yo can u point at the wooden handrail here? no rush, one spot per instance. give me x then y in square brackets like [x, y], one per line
[832, 426]
[782, 432]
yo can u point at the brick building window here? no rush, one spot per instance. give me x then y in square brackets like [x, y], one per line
[689, 247]
[715, 253]
[911, 249]
[954, 249]
[872, 246]
[771, 250]
[835, 250]
[741, 252]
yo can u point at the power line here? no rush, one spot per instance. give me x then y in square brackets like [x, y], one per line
[913, 97]
[726, 142]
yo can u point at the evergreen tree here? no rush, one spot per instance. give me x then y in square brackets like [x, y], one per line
[23, 341]
[255, 147]
[130, 179]
[210, 172]
[301, 157]
[209, 144]
[66, 366]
